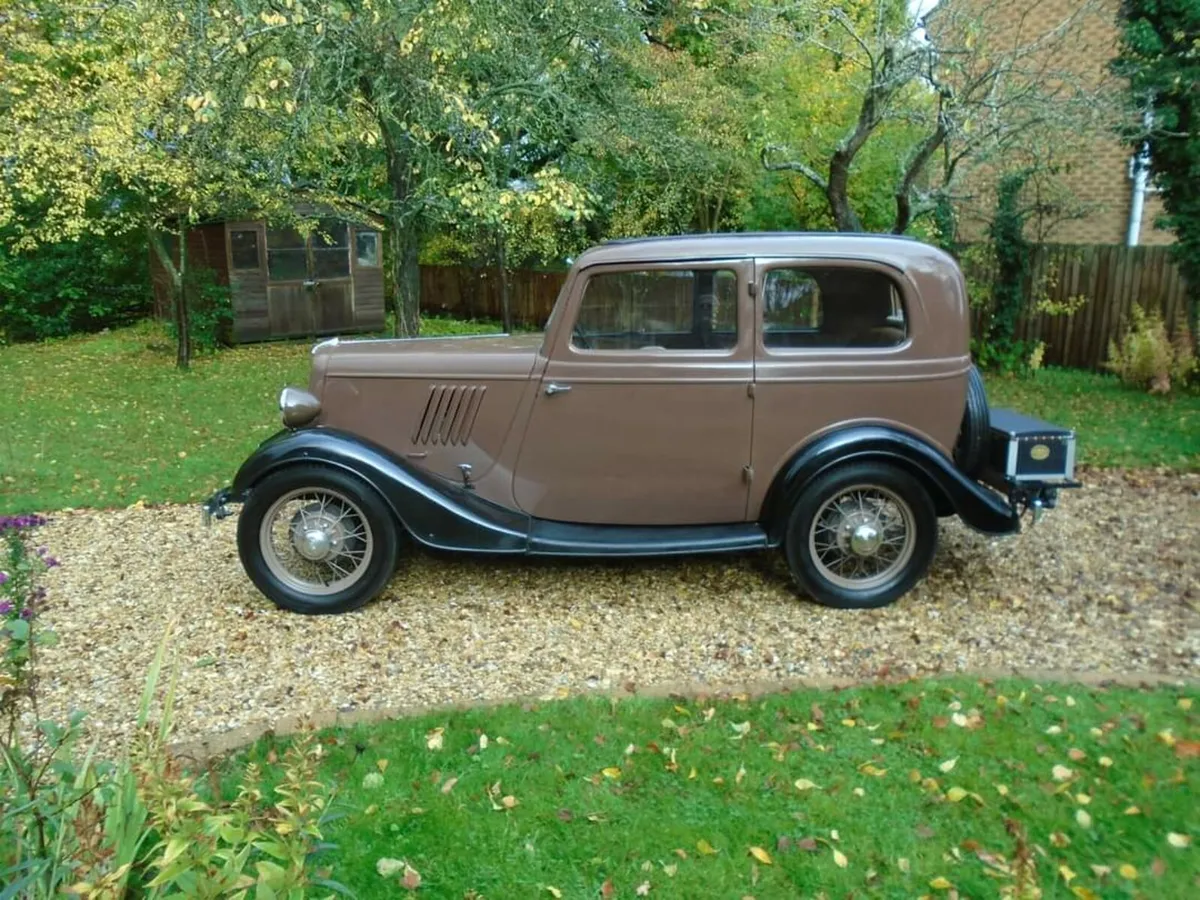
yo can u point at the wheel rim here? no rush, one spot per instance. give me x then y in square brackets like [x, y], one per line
[316, 541]
[862, 537]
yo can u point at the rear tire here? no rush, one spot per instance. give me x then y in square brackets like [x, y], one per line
[861, 536]
[317, 540]
[976, 426]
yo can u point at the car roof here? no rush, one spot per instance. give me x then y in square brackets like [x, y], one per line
[900, 251]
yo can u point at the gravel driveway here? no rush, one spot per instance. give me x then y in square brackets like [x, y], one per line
[1109, 582]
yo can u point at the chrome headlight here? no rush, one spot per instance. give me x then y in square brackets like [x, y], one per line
[298, 407]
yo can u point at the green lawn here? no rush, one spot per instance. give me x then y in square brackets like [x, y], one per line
[1116, 426]
[105, 420]
[888, 791]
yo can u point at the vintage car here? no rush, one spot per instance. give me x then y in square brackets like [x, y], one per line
[692, 394]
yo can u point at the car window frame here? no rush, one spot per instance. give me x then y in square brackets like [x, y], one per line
[909, 298]
[562, 347]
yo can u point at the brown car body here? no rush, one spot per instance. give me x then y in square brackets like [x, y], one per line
[696, 410]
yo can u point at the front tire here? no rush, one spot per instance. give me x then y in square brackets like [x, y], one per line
[861, 536]
[316, 540]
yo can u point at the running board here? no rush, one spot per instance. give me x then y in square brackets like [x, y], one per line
[547, 538]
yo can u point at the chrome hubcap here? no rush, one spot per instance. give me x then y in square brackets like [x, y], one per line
[862, 537]
[316, 541]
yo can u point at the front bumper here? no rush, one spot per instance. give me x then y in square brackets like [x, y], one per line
[217, 506]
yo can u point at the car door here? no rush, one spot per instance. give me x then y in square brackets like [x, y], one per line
[644, 409]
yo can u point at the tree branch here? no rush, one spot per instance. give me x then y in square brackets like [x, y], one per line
[794, 166]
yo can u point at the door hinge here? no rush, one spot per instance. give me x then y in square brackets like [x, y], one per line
[748, 474]
[750, 389]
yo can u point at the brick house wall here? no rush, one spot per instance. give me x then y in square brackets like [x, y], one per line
[1095, 176]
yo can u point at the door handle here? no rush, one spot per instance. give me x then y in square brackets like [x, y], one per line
[311, 283]
[552, 388]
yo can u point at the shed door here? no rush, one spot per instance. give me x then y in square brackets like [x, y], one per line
[309, 289]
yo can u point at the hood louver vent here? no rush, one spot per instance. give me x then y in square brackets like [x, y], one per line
[449, 414]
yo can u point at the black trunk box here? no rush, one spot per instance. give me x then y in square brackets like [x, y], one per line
[1025, 449]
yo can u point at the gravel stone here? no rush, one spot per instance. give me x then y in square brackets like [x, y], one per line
[1107, 583]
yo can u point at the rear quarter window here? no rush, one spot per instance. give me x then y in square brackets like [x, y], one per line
[831, 307]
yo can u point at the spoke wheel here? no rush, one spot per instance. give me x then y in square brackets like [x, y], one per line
[315, 539]
[861, 535]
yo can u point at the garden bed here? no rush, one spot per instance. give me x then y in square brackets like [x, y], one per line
[1108, 582]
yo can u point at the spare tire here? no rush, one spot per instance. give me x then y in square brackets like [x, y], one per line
[973, 435]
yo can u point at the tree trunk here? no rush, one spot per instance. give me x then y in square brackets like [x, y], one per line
[502, 258]
[404, 260]
[838, 193]
[179, 300]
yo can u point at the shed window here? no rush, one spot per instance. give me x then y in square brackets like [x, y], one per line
[244, 249]
[668, 309]
[331, 249]
[366, 248]
[831, 307]
[287, 256]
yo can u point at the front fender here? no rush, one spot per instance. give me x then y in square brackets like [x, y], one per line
[979, 507]
[436, 512]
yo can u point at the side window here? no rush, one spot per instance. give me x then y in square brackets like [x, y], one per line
[366, 248]
[831, 307]
[243, 245]
[669, 309]
[331, 249]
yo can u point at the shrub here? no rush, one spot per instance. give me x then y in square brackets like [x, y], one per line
[138, 826]
[79, 286]
[210, 311]
[1146, 357]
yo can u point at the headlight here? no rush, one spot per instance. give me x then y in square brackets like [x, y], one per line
[298, 407]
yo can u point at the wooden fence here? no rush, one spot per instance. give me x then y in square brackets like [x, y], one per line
[1110, 278]
[469, 293]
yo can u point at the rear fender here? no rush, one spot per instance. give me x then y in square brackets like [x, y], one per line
[436, 512]
[951, 490]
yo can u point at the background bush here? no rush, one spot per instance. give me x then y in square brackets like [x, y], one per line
[80, 286]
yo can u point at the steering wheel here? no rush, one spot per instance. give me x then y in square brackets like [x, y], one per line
[580, 339]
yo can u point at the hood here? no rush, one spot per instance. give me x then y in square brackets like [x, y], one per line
[464, 356]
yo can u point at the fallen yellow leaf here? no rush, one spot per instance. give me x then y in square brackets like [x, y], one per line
[434, 738]
[1084, 893]
[1184, 703]
[761, 855]
[741, 774]
[949, 764]
[705, 848]
[381, 764]
[1076, 754]
[940, 884]
[955, 794]
[1128, 872]
[643, 889]
[611, 772]
[1082, 817]
[1061, 773]
[1001, 789]
[449, 785]
[1132, 811]
[803, 784]
[1178, 841]
[553, 891]
[840, 858]
[1067, 874]
[903, 864]
[510, 801]
[1105, 761]
[849, 723]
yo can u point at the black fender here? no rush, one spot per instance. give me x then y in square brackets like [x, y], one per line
[977, 505]
[437, 513]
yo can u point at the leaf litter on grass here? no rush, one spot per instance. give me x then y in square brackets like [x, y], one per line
[941, 839]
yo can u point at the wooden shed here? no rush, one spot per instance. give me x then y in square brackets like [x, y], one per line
[284, 284]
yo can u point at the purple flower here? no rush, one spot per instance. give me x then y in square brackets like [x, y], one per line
[16, 523]
[27, 614]
[51, 562]
[5, 607]
[3, 577]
